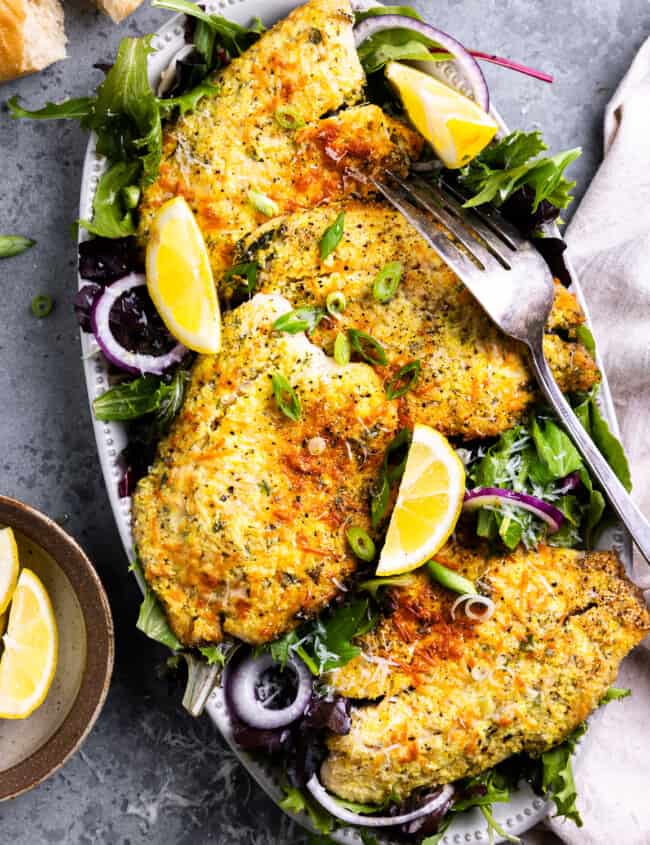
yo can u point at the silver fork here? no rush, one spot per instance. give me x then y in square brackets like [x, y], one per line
[512, 282]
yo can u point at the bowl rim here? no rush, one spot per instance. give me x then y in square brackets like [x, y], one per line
[96, 678]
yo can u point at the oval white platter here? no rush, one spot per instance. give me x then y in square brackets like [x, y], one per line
[525, 808]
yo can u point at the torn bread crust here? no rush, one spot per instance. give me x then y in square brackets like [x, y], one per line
[31, 36]
[117, 10]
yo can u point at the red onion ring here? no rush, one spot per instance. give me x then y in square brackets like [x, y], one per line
[334, 808]
[242, 694]
[465, 62]
[132, 362]
[481, 496]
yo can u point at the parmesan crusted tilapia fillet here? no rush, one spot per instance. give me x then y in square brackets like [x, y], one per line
[451, 699]
[240, 524]
[475, 382]
[232, 143]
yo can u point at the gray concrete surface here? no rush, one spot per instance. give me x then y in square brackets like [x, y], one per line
[149, 774]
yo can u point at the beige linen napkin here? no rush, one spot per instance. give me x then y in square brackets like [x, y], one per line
[609, 244]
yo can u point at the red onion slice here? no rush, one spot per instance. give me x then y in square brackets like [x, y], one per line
[125, 359]
[242, 692]
[495, 496]
[334, 808]
[465, 63]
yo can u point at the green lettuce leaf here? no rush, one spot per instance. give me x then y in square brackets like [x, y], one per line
[557, 776]
[187, 102]
[297, 801]
[151, 619]
[511, 163]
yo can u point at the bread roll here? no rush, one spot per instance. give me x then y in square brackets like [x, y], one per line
[118, 9]
[31, 36]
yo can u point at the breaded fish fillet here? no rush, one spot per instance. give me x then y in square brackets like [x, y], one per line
[240, 525]
[233, 144]
[474, 381]
[453, 698]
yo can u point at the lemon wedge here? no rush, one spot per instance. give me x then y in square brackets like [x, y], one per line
[3, 624]
[428, 503]
[9, 567]
[455, 126]
[28, 662]
[179, 278]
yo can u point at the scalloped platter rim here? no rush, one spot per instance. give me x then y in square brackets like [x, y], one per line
[525, 809]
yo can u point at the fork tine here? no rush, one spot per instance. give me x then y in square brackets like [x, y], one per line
[458, 261]
[454, 223]
[492, 218]
[499, 247]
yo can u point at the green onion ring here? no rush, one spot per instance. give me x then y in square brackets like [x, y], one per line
[361, 544]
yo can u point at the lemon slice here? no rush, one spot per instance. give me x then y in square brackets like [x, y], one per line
[28, 662]
[455, 126]
[9, 567]
[428, 503]
[179, 278]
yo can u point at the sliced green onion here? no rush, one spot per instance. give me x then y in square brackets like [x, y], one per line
[385, 285]
[289, 117]
[450, 579]
[332, 236]
[11, 245]
[336, 303]
[368, 348]
[300, 320]
[247, 270]
[360, 543]
[42, 305]
[403, 380]
[131, 196]
[374, 584]
[286, 397]
[264, 204]
[342, 349]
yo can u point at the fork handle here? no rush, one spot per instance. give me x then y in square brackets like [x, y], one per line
[619, 498]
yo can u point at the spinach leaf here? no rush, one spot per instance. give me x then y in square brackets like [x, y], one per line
[555, 450]
[11, 245]
[609, 445]
[512, 163]
[111, 217]
[394, 45]
[557, 775]
[144, 395]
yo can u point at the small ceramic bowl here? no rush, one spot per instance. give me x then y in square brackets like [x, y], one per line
[32, 749]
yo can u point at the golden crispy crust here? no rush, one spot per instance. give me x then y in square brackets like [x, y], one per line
[454, 698]
[240, 525]
[12, 20]
[475, 382]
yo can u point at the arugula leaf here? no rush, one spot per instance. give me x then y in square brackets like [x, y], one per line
[326, 644]
[111, 219]
[187, 102]
[151, 619]
[614, 694]
[11, 245]
[394, 45]
[125, 113]
[375, 11]
[507, 165]
[297, 801]
[143, 395]
[557, 775]
[74, 109]
[235, 38]
[213, 654]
